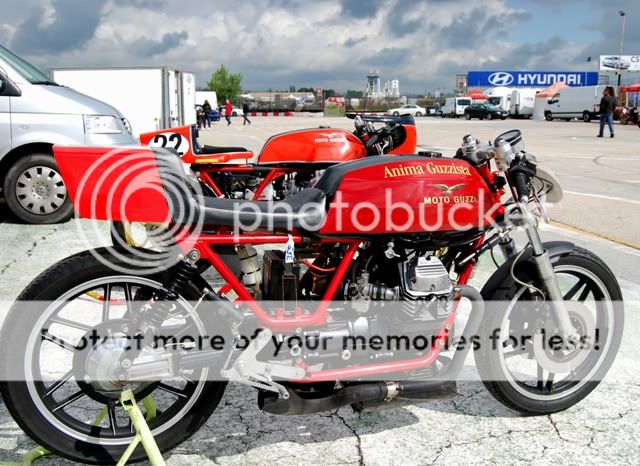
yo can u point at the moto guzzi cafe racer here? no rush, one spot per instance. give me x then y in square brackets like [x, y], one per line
[358, 309]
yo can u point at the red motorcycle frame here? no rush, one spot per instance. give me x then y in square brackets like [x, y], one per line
[91, 167]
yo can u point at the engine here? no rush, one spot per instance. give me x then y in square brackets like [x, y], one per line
[386, 295]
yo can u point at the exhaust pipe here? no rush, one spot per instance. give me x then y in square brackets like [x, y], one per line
[370, 394]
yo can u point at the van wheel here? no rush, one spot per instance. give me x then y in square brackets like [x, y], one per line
[586, 117]
[35, 192]
[548, 116]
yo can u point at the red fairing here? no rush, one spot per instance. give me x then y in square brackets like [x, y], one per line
[408, 146]
[412, 195]
[322, 145]
[107, 183]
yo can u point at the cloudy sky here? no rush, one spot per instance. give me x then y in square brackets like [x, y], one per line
[328, 43]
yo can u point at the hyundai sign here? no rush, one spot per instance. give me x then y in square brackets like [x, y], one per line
[531, 78]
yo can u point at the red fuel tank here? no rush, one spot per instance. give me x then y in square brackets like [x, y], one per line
[407, 194]
[317, 146]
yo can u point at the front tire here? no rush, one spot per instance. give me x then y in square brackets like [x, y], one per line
[501, 363]
[586, 117]
[69, 430]
[35, 192]
[548, 116]
[467, 116]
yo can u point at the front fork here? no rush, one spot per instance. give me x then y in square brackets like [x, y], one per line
[544, 267]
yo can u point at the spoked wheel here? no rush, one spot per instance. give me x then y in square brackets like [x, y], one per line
[60, 388]
[525, 363]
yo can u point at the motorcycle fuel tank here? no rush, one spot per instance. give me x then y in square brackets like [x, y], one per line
[407, 194]
[312, 146]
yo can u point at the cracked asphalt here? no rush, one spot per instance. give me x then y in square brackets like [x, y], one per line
[471, 428]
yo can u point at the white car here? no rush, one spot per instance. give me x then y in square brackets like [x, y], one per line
[235, 111]
[616, 63]
[408, 110]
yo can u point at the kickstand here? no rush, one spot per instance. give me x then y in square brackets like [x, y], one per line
[139, 421]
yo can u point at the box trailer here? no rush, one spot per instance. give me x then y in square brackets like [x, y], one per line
[211, 96]
[574, 102]
[152, 98]
[521, 102]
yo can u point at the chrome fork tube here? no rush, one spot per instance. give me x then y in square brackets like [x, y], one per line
[549, 280]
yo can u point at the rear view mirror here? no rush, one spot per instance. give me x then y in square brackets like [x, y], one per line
[7, 88]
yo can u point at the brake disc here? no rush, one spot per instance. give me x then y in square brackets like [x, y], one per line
[565, 355]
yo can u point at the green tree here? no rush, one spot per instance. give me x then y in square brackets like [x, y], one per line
[352, 94]
[227, 85]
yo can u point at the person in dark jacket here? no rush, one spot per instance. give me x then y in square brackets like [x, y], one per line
[206, 114]
[245, 113]
[608, 104]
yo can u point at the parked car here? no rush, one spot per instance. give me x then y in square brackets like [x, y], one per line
[36, 113]
[408, 109]
[616, 63]
[482, 111]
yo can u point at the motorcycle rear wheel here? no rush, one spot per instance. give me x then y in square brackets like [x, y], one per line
[68, 430]
[501, 365]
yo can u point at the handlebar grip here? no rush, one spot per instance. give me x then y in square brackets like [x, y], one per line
[520, 181]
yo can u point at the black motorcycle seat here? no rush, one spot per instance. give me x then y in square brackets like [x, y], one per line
[207, 149]
[304, 210]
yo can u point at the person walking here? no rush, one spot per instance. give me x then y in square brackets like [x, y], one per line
[608, 104]
[206, 114]
[245, 112]
[228, 108]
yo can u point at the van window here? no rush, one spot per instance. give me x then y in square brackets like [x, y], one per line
[26, 70]
[464, 101]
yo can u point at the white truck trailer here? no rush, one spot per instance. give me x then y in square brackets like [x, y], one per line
[211, 96]
[521, 102]
[152, 98]
[574, 102]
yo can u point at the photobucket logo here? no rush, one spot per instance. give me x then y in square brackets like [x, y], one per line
[501, 78]
[151, 207]
[442, 210]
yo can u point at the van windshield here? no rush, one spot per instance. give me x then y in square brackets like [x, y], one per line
[25, 69]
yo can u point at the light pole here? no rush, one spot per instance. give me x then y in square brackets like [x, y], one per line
[624, 20]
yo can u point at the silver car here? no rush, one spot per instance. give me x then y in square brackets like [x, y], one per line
[35, 114]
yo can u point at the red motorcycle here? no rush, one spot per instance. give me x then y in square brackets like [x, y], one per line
[288, 162]
[355, 302]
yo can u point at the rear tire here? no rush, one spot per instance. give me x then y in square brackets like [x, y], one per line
[489, 116]
[548, 116]
[34, 190]
[586, 117]
[64, 276]
[467, 116]
[418, 114]
[528, 399]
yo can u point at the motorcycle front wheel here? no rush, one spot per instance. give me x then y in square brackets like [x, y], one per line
[516, 361]
[61, 407]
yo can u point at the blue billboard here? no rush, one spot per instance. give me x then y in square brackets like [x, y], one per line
[531, 78]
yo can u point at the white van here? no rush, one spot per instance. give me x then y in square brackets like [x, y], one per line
[36, 113]
[454, 106]
[574, 102]
[521, 102]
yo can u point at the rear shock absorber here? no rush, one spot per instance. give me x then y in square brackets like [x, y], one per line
[161, 306]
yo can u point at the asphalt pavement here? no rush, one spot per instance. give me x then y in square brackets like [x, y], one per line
[601, 177]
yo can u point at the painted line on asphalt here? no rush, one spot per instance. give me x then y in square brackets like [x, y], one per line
[628, 244]
[602, 196]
